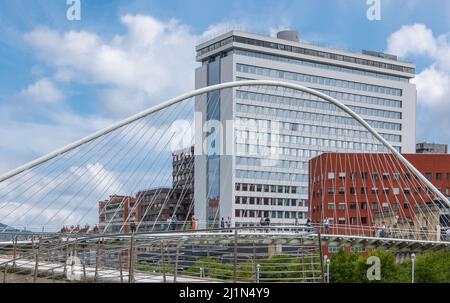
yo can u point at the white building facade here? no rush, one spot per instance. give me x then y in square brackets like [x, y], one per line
[245, 186]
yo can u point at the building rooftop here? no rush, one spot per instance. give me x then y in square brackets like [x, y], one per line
[287, 43]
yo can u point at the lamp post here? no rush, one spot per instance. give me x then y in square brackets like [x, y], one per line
[258, 272]
[413, 261]
[327, 261]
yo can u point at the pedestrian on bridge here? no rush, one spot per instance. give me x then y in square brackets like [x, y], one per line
[193, 223]
[228, 223]
[326, 225]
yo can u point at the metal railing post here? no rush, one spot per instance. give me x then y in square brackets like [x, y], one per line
[36, 267]
[14, 251]
[120, 267]
[131, 260]
[255, 266]
[84, 271]
[66, 257]
[208, 257]
[5, 272]
[235, 256]
[163, 261]
[97, 260]
[321, 257]
[176, 264]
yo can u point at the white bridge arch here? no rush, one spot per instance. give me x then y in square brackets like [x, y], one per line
[235, 84]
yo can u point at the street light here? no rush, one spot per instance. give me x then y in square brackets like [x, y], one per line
[327, 261]
[413, 259]
[258, 272]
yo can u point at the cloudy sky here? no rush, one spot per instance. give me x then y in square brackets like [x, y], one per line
[61, 79]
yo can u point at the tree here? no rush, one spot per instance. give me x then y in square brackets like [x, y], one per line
[343, 268]
[433, 268]
[390, 270]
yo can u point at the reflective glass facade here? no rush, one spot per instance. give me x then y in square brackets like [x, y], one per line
[213, 165]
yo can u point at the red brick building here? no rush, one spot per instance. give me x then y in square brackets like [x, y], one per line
[115, 213]
[153, 208]
[359, 191]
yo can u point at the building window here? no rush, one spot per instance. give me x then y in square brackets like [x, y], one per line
[439, 176]
[330, 206]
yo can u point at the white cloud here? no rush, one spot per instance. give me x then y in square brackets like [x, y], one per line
[221, 28]
[433, 82]
[24, 140]
[433, 86]
[153, 60]
[43, 91]
[414, 39]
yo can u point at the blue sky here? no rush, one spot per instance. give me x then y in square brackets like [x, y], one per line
[46, 100]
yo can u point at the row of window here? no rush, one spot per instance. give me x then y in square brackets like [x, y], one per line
[321, 105]
[273, 73]
[375, 191]
[274, 151]
[317, 65]
[271, 163]
[324, 118]
[353, 206]
[264, 175]
[305, 51]
[266, 188]
[270, 201]
[313, 129]
[265, 139]
[362, 99]
[376, 176]
[245, 213]
[334, 94]
[437, 176]
[182, 177]
[183, 166]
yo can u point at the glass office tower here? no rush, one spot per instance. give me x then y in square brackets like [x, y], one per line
[243, 186]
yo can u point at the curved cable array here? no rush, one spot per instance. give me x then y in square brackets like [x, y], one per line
[138, 174]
